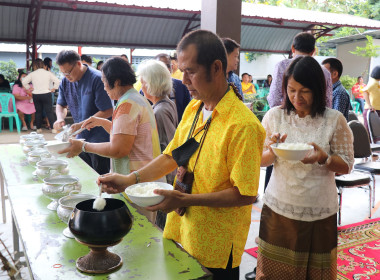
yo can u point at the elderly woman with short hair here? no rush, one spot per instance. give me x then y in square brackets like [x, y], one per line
[157, 84]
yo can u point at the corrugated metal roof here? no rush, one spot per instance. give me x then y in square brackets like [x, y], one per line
[159, 24]
[306, 16]
[357, 37]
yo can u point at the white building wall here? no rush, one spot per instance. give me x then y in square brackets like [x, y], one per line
[264, 65]
[354, 65]
[375, 61]
[260, 68]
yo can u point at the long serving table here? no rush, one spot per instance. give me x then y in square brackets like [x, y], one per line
[50, 255]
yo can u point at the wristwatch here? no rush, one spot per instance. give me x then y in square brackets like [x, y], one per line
[83, 146]
[137, 176]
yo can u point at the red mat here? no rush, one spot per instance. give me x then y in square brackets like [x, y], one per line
[252, 251]
[358, 251]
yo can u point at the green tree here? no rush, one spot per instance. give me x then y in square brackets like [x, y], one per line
[370, 50]
[55, 69]
[95, 61]
[347, 82]
[252, 56]
[9, 70]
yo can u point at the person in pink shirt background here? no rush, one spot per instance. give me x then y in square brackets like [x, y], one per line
[24, 102]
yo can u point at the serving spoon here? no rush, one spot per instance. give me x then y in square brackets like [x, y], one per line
[99, 202]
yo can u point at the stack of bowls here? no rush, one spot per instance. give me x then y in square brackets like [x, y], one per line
[51, 167]
[31, 136]
[58, 187]
[37, 155]
[32, 144]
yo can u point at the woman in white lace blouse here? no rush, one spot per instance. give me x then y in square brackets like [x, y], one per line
[298, 229]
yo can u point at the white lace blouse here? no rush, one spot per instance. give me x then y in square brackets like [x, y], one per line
[307, 192]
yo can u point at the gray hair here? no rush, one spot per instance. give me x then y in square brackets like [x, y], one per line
[157, 77]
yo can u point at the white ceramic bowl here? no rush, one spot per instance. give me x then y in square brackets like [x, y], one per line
[55, 147]
[291, 154]
[145, 201]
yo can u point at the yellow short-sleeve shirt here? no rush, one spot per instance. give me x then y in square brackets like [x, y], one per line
[373, 89]
[230, 156]
[245, 86]
[177, 75]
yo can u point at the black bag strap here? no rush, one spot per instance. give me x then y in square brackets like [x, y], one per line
[207, 125]
[195, 121]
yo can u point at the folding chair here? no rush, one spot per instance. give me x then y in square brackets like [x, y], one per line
[373, 122]
[352, 116]
[357, 178]
[363, 150]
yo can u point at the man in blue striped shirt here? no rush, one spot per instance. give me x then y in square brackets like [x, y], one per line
[341, 99]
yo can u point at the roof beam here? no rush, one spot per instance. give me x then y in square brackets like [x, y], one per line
[277, 21]
[31, 31]
[323, 31]
[272, 26]
[105, 44]
[266, 51]
[117, 13]
[187, 29]
[73, 8]
[89, 44]
[115, 5]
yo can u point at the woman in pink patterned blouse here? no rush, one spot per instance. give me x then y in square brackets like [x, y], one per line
[24, 102]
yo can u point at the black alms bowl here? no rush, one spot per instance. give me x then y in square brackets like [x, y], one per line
[100, 227]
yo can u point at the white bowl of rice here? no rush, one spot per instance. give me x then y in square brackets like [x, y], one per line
[142, 194]
[292, 151]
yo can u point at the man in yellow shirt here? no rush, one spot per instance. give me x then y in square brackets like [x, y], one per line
[246, 85]
[176, 73]
[215, 226]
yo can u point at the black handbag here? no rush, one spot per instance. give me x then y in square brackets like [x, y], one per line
[182, 155]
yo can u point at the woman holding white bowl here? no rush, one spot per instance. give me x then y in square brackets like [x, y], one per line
[133, 134]
[298, 228]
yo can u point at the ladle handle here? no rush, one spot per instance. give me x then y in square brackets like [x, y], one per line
[100, 189]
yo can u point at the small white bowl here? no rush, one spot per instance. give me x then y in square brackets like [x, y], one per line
[55, 147]
[291, 154]
[145, 201]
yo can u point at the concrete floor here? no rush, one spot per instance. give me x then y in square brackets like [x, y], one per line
[355, 209]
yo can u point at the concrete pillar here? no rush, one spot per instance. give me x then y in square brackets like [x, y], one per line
[222, 17]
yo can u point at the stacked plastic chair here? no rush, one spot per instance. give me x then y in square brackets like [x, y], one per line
[5, 99]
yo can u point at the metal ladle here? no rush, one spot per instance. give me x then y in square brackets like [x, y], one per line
[99, 202]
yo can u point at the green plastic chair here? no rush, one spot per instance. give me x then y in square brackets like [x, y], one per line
[355, 106]
[4, 102]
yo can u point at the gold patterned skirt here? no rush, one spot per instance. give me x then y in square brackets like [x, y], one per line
[291, 249]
